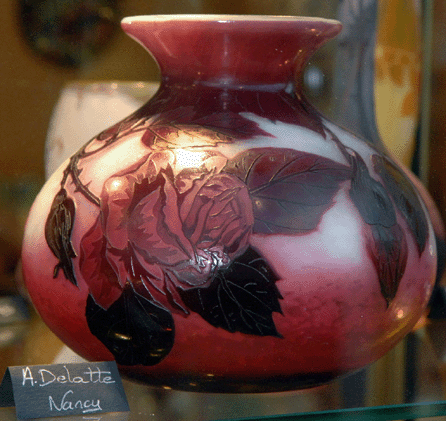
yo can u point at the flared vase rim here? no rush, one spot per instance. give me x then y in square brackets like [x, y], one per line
[224, 18]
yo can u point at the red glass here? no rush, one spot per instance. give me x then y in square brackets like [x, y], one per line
[226, 237]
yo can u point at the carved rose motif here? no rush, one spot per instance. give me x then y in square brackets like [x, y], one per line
[164, 226]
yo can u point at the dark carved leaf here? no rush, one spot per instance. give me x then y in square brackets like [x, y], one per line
[386, 243]
[185, 136]
[133, 329]
[58, 229]
[388, 250]
[118, 129]
[231, 124]
[290, 190]
[241, 298]
[405, 198]
[370, 197]
[182, 126]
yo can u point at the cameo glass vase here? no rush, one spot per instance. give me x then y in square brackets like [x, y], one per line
[226, 236]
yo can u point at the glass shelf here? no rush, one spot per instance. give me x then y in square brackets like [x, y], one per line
[374, 413]
[407, 383]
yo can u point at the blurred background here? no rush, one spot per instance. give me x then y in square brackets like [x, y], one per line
[57, 55]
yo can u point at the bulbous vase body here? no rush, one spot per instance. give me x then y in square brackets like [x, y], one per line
[226, 236]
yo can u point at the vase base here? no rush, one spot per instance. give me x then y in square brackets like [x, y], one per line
[215, 384]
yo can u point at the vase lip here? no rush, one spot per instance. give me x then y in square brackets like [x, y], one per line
[224, 18]
[234, 50]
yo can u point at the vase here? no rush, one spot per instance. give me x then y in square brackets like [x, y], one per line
[226, 237]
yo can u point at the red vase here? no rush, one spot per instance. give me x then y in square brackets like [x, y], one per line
[226, 236]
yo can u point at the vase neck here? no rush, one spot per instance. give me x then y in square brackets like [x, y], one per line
[230, 50]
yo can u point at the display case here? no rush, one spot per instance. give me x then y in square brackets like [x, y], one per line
[380, 64]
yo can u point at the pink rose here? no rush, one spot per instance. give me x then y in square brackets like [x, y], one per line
[169, 222]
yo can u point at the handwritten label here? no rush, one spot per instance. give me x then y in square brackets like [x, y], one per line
[63, 389]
